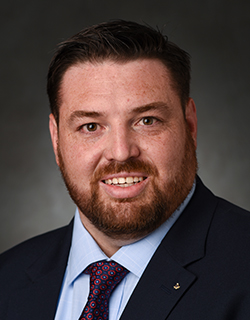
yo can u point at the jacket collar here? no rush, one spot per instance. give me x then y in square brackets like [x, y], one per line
[185, 242]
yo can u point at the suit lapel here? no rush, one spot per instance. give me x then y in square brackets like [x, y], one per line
[44, 279]
[161, 286]
[166, 278]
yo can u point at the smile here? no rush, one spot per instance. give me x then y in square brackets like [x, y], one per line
[124, 182]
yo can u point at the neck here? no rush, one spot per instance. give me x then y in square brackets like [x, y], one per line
[108, 245]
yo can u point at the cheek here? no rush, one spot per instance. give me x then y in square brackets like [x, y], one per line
[79, 160]
[167, 155]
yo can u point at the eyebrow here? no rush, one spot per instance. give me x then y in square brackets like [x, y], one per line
[78, 114]
[159, 105]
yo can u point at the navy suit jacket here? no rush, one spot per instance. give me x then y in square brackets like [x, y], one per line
[200, 271]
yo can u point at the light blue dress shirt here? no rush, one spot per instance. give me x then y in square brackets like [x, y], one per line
[84, 251]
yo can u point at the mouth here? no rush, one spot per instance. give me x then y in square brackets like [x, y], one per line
[124, 182]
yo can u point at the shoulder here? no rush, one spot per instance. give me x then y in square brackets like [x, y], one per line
[23, 254]
[220, 207]
[34, 264]
[226, 217]
[232, 210]
[228, 229]
[232, 224]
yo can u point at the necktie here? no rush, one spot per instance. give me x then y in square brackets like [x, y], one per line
[104, 277]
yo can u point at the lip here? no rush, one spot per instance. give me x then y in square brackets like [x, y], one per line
[121, 192]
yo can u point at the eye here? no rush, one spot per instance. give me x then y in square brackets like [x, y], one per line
[90, 127]
[147, 121]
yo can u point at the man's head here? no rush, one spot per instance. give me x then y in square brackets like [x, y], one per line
[126, 141]
[119, 41]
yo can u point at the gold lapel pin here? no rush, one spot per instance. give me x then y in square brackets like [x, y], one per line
[177, 286]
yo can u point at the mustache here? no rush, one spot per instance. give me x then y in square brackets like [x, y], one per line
[128, 166]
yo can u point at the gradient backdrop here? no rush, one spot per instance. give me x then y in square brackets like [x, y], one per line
[215, 33]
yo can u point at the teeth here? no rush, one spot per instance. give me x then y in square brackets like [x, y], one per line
[121, 180]
[124, 182]
[129, 180]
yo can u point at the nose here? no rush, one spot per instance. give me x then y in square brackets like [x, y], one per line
[121, 145]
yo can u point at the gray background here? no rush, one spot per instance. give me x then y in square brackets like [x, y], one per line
[215, 33]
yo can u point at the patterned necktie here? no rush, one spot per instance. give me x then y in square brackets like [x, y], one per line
[104, 277]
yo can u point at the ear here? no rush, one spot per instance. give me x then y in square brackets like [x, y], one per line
[53, 128]
[191, 119]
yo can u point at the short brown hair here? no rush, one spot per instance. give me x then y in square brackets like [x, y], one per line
[120, 41]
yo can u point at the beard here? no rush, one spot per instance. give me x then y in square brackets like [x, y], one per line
[134, 218]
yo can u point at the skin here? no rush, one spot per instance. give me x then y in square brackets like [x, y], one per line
[115, 112]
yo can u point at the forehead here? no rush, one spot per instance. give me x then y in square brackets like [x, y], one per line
[97, 85]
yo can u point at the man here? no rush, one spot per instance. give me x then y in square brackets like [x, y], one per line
[123, 129]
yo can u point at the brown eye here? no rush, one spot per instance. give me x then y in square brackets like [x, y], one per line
[91, 127]
[148, 121]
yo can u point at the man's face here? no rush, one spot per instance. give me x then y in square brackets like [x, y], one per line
[125, 150]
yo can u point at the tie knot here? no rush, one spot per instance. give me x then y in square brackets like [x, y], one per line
[105, 275]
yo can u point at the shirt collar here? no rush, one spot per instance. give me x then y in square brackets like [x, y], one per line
[134, 257]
